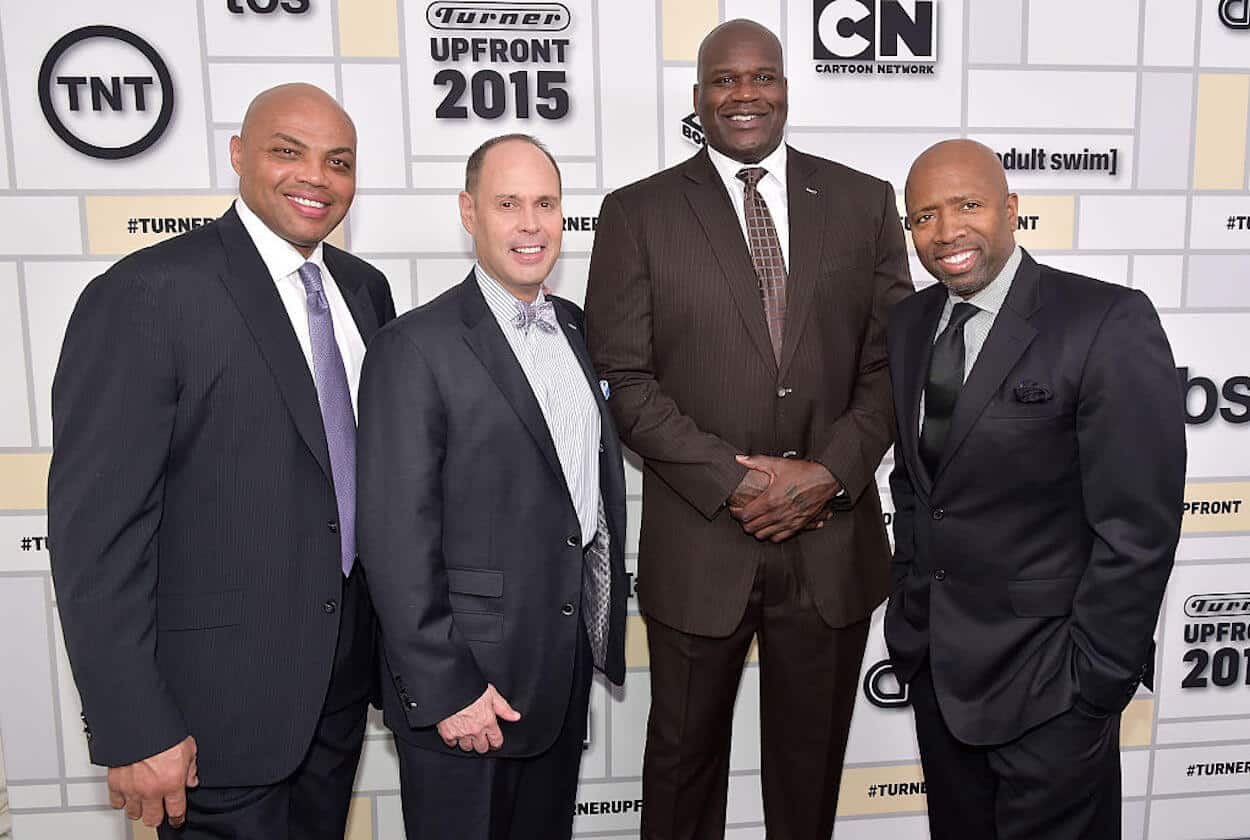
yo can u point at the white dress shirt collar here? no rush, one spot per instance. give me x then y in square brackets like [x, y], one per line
[279, 256]
[728, 168]
[502, 302]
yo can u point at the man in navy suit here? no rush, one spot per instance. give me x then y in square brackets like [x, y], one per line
[1038, 481]
[201, 499]
[492, 512]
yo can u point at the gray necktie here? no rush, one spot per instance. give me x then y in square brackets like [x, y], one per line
[336, 408]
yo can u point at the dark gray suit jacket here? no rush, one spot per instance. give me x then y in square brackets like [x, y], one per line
[191, 509]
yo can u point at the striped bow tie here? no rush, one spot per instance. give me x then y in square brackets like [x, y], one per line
[541, 315]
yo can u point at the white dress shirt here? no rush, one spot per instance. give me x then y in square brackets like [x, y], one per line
[284, 262]
[564, 396]
[772, 187]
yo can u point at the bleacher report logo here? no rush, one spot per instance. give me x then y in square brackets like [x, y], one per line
[874, 30]
[106, 92]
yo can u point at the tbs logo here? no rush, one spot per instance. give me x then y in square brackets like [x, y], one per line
[1235, 14]
[265, 7]
[106, 92]
[874, 30]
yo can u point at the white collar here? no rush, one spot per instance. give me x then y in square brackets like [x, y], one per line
[728, 168]
[279, 256]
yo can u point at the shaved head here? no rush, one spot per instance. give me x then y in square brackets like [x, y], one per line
[962, 214]
[732, 31]
[296, 160]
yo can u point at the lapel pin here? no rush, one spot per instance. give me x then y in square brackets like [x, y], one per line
[812, 190]
[572, 327]
[603, 386]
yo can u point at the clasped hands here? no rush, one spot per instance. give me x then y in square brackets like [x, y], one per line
[778, 497]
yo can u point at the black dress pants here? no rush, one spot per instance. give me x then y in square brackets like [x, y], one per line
[1058, 781]
[311, 803]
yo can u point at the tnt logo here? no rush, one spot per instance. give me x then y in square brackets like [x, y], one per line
[874, 30]
[106, 92]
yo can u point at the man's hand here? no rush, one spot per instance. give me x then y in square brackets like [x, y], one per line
[796, 497]
[752, 485]
[156, 786]
[476, 726]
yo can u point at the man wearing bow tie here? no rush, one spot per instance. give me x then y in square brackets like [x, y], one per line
[492, 523]
[1038, 481]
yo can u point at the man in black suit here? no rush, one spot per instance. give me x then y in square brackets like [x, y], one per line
[201, 499]
[1038, 481]
[492, 514]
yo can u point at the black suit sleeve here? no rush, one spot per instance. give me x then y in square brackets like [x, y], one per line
[114, 398]
[1131, 438]
[698, 465]
[399, 502]
[856, 441]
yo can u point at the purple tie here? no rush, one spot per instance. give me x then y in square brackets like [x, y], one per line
[336, 408]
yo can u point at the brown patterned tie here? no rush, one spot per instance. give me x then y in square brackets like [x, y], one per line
[766, 255]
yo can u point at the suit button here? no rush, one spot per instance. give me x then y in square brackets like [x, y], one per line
[938, 513]
[329, 607]
[601, 449]
[333, 526]
[567, 609]
[939, 574]
[573, 541]
[781, 392]
[412, 704]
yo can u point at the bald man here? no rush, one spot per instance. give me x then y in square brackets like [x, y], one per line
[1038, 480]
[736, 306]
[202, 499]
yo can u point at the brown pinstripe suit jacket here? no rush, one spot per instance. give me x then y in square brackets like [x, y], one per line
[676, 327]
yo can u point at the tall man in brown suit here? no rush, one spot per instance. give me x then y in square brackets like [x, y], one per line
[737, 308]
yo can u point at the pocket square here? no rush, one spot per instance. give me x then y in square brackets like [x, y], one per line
[603, 386]
[1029, 391]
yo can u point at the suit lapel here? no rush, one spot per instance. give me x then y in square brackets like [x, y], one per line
[809, 228]
[354, 292]
[1008, 339]
[487, 342]
[254, 293]
[917, 338]
[710, 203]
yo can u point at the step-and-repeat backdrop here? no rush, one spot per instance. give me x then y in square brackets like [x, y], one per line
[1122, 124]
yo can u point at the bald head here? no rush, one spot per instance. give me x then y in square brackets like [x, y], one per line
[962, 214]
[296, 96]
[296, 160]
[740, 96]
[735, 31]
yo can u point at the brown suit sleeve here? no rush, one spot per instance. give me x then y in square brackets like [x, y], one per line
[699, 466]
[856, 442]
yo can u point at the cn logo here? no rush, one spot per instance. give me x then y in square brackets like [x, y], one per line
[106, 92]
[265, 7]
[1235, 14]
[874, 30]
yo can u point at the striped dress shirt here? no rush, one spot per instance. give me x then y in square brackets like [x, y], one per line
[563, 395]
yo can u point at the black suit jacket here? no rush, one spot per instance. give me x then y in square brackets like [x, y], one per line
[677, 328]
[1030, 569]
[468, 532]
[190, 506]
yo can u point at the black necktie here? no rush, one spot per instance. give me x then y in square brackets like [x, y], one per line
[941, 392]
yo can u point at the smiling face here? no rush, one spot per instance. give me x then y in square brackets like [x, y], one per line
[296, 161]
[741, 94]
[514, 216]
[963, 219]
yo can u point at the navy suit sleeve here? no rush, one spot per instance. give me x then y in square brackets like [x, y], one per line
[401, 448]
[114, 398]
[1131, 438]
